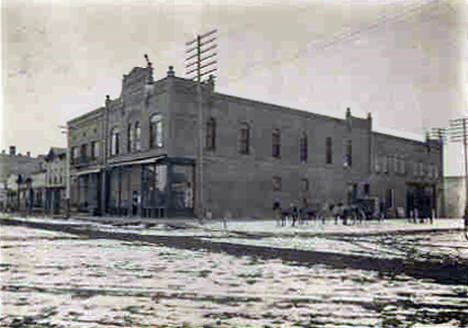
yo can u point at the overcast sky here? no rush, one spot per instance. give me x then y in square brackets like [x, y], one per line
[403, 61]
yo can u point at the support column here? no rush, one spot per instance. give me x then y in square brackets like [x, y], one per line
[119, 191]
[142, 187]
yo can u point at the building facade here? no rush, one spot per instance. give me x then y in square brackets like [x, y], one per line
[14, 171]
[455, 195]
[36, 194]
[139, 155]
[55, 180]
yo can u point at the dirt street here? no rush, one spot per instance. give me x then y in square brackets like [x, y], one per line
[82, 275]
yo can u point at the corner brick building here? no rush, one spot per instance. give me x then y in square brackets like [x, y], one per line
[139, 155]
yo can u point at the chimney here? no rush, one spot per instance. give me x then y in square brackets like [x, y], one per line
[12, 150]
[211, 82]
[348, 113]
[170, 71]
[28, 153]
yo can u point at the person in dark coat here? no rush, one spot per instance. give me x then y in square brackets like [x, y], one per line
[294, 214]
[277, 210]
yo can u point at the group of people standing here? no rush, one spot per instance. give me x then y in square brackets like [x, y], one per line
[339, 212]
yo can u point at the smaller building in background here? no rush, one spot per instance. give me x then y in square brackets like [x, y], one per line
[55, 180]
[36, 195]
[455, 195]
[15, 169]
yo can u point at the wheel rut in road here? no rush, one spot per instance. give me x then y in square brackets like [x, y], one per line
[444, 272]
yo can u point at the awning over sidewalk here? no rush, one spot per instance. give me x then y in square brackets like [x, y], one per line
[86, 172]
[141, 161]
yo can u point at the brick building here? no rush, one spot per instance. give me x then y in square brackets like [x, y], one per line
[253, 153]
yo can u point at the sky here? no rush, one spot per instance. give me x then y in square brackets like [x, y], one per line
[403, 61]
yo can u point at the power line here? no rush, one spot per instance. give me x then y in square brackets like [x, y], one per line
[341, 37]
[459, 133]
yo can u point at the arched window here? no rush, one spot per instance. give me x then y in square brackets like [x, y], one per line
[129, 138]
[244, 138]
[276, 143]
[210, 134]
[137, 136]
[156, 131]
[303, 148]
[115, 141]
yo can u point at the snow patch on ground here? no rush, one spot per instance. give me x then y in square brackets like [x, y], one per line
[52, 278]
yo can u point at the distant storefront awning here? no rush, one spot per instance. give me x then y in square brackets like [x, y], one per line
[86, 172]
[140, 161]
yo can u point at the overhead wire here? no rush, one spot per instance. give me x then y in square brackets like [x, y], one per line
[339, 38]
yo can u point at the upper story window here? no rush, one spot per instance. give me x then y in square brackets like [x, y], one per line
[210, 134]
[156, 131]
[415, 169]
[129, 138]
[303, 148]
[401, 164]
[349, 153]
[429, 171]
[115, 136]
[395, 162]
[244, 138]
[377, 166]
[328, 150]
[420, 169]
[74, 154]
[137, 136]
[385, 160]
[84, 150]
[276, 143]
[94, 149]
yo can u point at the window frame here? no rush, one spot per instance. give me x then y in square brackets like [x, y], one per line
[244, 147]
[349, 153]
[115, 141]
[94, 149]
[328, 150]
[303, 148]
[137, 136]
[276, 143]
[156, 131]
[129, 138]
[210, 141]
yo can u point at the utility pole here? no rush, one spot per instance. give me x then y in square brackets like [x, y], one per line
[105, 137]
[66, 130]
[440, 134]
[459, 133]
[198, 65]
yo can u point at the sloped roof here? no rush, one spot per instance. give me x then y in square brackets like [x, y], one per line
[55, 151]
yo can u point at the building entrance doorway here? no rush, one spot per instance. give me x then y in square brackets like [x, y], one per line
[420, 200]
